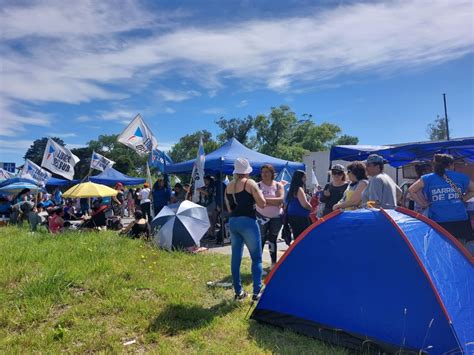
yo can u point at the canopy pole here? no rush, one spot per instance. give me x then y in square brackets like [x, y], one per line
[446, 117]
[397, 175]
[148, 173]
[330, 166]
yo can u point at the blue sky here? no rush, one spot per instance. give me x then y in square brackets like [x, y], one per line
[376, 68]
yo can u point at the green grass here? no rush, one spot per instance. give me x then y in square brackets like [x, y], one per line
[91, 292]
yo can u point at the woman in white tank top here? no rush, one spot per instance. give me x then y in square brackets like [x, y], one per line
[269, 217]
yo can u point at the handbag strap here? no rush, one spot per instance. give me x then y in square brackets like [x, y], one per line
[453, 185]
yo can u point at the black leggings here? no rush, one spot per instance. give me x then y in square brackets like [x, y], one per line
[298, 224]
[146, 210]
[461, 230]
[269, 232]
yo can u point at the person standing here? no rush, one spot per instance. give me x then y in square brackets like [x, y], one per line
[131, 202]
[161, 195]
[298, 206]
[334, 191]
[352, 197]
[145, 201]
[242, 194]
[208, 200]
[270, 217]
[446, 191]
[57, 197]
[381, 189]
[118, 201]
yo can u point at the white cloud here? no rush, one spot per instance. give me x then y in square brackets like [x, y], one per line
[16, 120]
[63, 135]
[242, 103]
[177, 96]
[118, 115]
[170, 110]
[15, 145]
[78, 53]
[214, 111]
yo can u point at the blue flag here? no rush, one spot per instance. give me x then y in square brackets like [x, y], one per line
[159, 160]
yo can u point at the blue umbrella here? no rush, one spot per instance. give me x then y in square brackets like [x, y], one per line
[17, 187]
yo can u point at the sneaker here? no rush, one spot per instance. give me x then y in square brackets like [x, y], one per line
[256, 297]
[264, 273]
[240, 296]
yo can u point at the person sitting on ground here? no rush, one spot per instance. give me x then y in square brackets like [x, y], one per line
[298, 206]
[161, 193]
[56, 221]
[139, 228]
[381, 190]
[241, 196]
[70, 212]
[446, 191]
[97, 217]
[334, 191]
[353, 195]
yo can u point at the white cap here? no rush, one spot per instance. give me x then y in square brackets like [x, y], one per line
[242, 166]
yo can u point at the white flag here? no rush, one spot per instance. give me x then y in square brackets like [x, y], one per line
[34, 172]
[59, 160]
[198, 176]
[99, 162]
[5, 174]
[138, 136]
[314, 179]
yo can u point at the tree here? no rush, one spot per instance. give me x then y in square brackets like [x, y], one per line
[82, 168]
[36, 150]
[238, 128]
[437, 130]
[126, 160]
[346, 140]
[281, 134]
[187, 146]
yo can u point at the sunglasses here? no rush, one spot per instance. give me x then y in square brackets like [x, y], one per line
[336, 172]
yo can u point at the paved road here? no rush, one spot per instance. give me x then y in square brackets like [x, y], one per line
[281, 248]
[226, 249]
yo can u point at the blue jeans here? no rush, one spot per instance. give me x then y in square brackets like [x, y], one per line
[244, 230]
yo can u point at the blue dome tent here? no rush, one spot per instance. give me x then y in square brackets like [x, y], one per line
[384, 279]
[110, 177]
[222, 160]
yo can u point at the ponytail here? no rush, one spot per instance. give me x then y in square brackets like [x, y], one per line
[441, 163]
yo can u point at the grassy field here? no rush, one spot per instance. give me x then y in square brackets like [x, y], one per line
[93, 292]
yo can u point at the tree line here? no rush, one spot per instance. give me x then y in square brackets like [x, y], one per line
[281, 134]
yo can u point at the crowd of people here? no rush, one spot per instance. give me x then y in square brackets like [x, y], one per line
[259, 212]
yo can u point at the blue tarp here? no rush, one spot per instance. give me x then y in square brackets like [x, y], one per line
[111, 176]
[379, 277]
[61, 182]
[17, 180]
[222, 160]
[400, 155]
